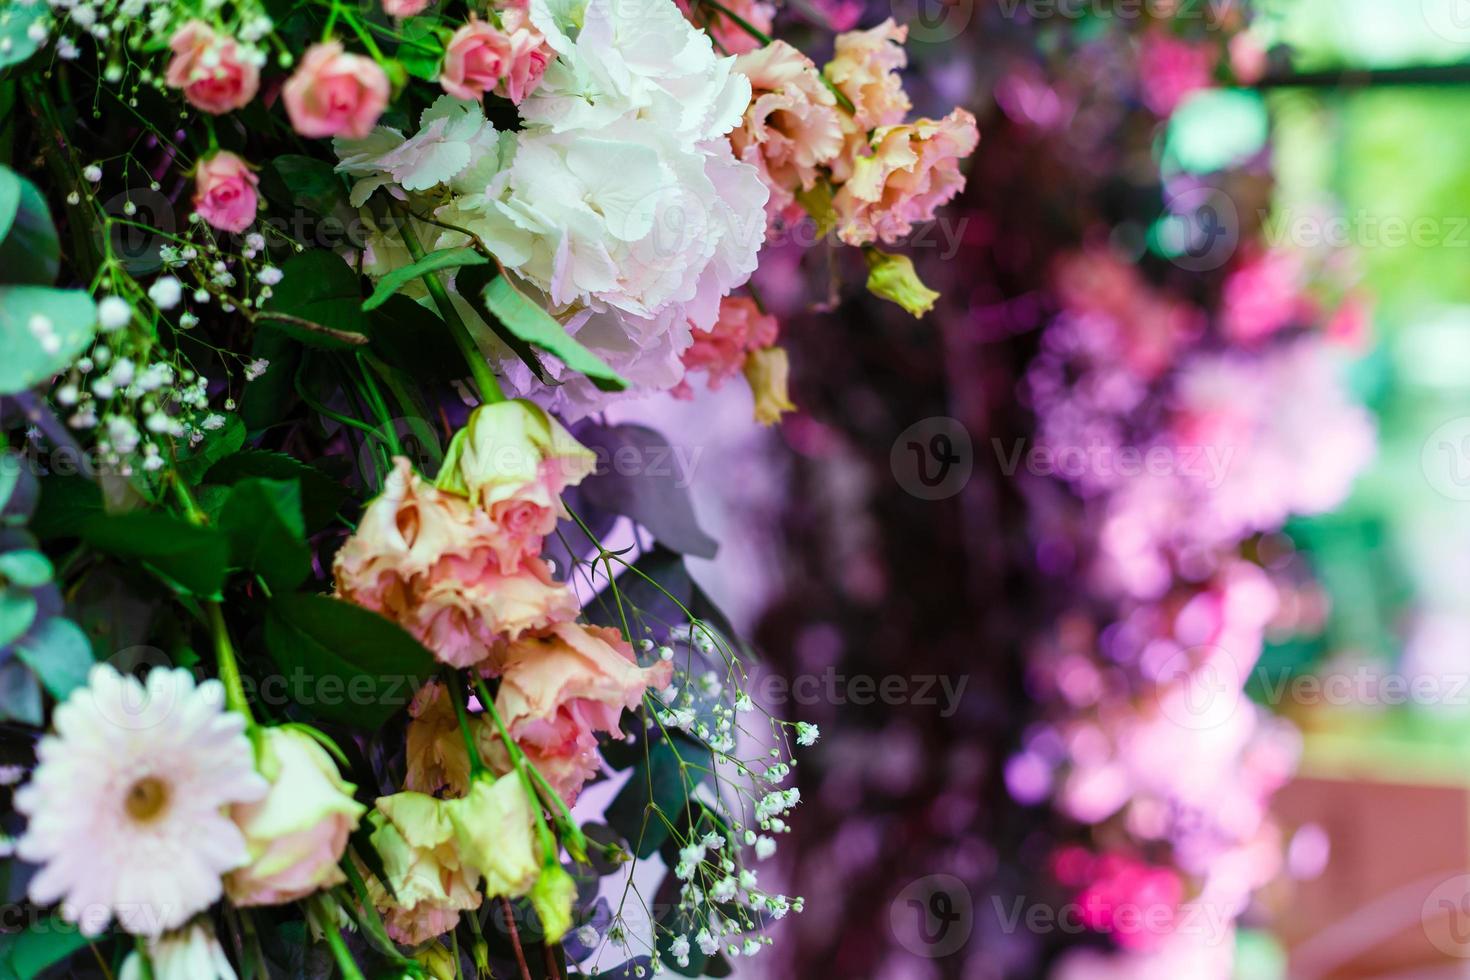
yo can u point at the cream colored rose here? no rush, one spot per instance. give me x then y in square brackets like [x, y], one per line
[297, 834]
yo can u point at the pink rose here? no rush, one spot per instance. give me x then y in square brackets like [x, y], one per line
[429, 561]
[477, 57]
[224, 192]
[211, 69]
[728, 36]
[529, 56]
[404, 8]
[560, 687]
[333, 93]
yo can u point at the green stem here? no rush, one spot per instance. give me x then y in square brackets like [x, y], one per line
[484, 378]
[456, 694]
[219, 633]
[529, 779]
[380, 407]
[327, 921]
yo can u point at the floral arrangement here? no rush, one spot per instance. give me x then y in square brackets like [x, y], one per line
[330, 640]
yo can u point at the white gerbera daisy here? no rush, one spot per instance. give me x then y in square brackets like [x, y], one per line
[127, 804]
[189, 954]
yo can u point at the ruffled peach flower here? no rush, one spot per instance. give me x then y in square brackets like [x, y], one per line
[721, 351]
[728, 36]
[333, 93]
[560, 687]
[476, 58]
[429, 561]
[297, 834]
[791, 127]
[224, 192]
[529, 56]
[912, 170]
[513, 460]
[437, 758]
[214, 72]
[865, 67]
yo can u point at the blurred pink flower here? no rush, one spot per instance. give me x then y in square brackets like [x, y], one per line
[215, 74]
[333, 93]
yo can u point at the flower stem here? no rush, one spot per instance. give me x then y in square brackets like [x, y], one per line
[456, 694]
[530, 779]
[327, 921]
[484, 378]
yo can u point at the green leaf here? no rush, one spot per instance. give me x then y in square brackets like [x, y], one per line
[29, 249]
[412, 338]
[422, 50]
[223, 442]
[40, 945]
[16, 19]
[444, 258]
[66, 502]
[60, 654]
[267, 532]
[358, 668]
[31, 357]
[320, 287]
[530, 323]
[193, 557]
[307, 181]
[320, 494]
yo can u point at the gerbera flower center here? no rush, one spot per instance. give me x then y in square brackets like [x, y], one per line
[146, 799]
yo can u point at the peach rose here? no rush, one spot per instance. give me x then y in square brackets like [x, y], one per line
[514, 460]
[333, 93]
[791, 127]
[297, 834]
[911, 171]
[428, 560]
[224, 192]
[215, 73]
[561, 686]
[431, 883]
[721, 352]
[476, 58]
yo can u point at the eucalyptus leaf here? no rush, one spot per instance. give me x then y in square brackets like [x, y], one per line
[17, 613]
[29, 249]
[645, 479]
[42, 330]
[25, 568]
[60, 654]
[16, 43]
